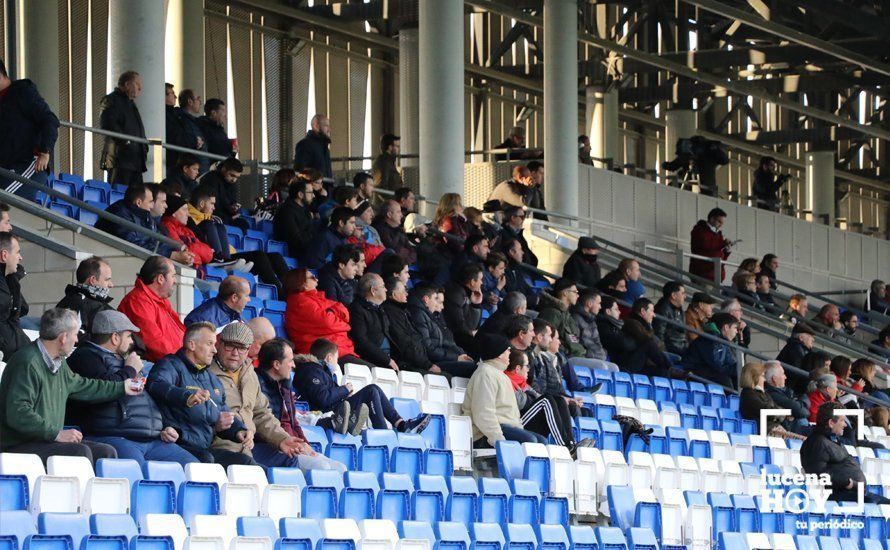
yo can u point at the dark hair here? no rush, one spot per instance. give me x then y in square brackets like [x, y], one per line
[3, 72]
[152, 268]
[185, 96]
[640, 304]
[423, 290]
[473, 240]
[135, 192]
[310, 174]
[467, 273]
[402, 193]
[360, 178]
[170, 187]
[611, 279]
[515, 358]
[344, 193]
[670, 287]
[534, 165]
[392, 264]
[716, 213]
[511, 211]
[89, 268]
[340, 216]
[6, 239]
[390, 283]
[271, 351]
[495, 258]
[200, 193]
[541, 325]
[840, 366]
[608, 302]
[587, 296]
[516, 324]
[295, 279]
[766, 160]
[386, 140]
[231, 164]
[186, 159]
[343, 253]
[322, 347]
[582, 138]
[767, 258]
[212, 104]
[4, 207]
[297, 187]
[884, 334]
[155, 189]
[814, 360]
[826, 412]
[127, 76]
[168, 86]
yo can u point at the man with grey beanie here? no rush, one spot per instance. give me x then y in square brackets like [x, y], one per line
[132, 424]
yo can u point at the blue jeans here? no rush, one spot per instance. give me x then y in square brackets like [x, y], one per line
[268, 456]
[512, 433]
[140, 451]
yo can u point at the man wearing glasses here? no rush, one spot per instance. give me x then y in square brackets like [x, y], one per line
[514, 217]
[265, 440]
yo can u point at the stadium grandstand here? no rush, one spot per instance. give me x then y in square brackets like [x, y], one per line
[444, 275]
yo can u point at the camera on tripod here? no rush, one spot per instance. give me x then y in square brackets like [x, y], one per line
[697, 159]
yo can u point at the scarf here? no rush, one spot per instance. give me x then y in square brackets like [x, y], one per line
[517, 380]
[100, 293]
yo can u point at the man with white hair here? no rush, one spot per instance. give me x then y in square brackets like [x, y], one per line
[782, 395]
[36, 386]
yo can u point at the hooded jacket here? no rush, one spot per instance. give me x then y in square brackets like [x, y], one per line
[370, 329]
[489, 401]
[313, 151]
[226, 195]
[582, 269]
[334, 287]
[13, 307]
[245, 398]
[557, 314]
[612, 336]
[706, 242]
[436, 338]
[181, 232]
[86, 303]
[134, 417]
[159, 324]
[171, 382]
[138, 216]
[309, 315]
[213, 311]
[590, 335]
[672, 336]
[315, 384]
[509, 192]
[822, 454]
[405, 339]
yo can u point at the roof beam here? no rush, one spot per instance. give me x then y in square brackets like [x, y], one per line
[682, 70]
[791, 34]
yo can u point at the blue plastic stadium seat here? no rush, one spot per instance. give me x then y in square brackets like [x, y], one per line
[486, 536]
[689, 417]
[429, 498]
[729, 420]
[317, 438]
[344, 448]
[264, 291]
[710, 421]
[249, 526]
[611, 436]
[15, 527]
[662, 389]
[277, 247]
[641, 538]
[13, 492]
[582, 537]
[65, 187]
[119, 467]
[584, 375]
[537, 469]
[255, 240]
[407, 457]
[292, 263]
[113, 525]
[494, 495]
[299, 534]
[621, 506]
[394, 499]
[623, 384]
[604, 377]
[554, 510]
[436, 460]
[524, 503]
[552, 537]
[681, 391]
[677, 444]
[648, 514]
[102, 542]
[749, 427]
[452, 536]
[49, 542]
[722, 513]
[731, 541]
[376, 451]
[417, 530]
[612, 538]
[588, 428]
[407, 408]
[287, 476]
[75, 525]
[699, 394]
[196, 497]
[115, 196]
[463, 499]
[322, 494]
[236, 236]
[64, 209]
[358, 500]
[716, 396]
[747, 515]
[152, 497]
[643, 388]
[658, 443]
[520, 537]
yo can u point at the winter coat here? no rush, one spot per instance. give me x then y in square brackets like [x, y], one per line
[766, 189]
[293, 224]
[370, 332]
[712, 359]
[140, 217]
[250, 405]
[612, 336]
[528, 256]
[461, 315]
[489, 401]
[557, 314]
[435, 336]
[672, 336]
[315, 384]
[309, 316]
[213, 311]
[191, 131]
[27, 124]
[405, 339]
[496, 323]
[134, 417]
[547, 374]
[635, 290]
[695, 321]
[386, 173]
[821, 454]
[644, 355]
[226, 195]
[181, 232]
[215, 138]
[334, 287]
[86, 304]
[118, 113]
[397, 240]
[752, 401]
[516, 282]
[817, 398]
[177, 177]
[159, 324]
[313, 151]
[12, 308]
[282, 402]
[509, 192]
[457, 226]
[32, 398]
[171, 382]
[784, 398]
[793, 354]
[590, 334]
[319, 250]
[584, 271]
[706, 242]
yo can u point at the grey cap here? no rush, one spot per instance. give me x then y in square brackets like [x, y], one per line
[111, 322]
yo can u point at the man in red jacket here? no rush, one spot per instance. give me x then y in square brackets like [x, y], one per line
[148, 307]
[707, 240]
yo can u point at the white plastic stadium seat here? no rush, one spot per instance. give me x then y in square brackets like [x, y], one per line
[587, 480]
[562, 474]
[437, 388]
[106, 495]
[27, 465]
[206, 473]
[246, 474]
[281, 501]
[460, 441]
[411, 385]
[378, 534]
[388, 381]
[56, 494]
[251, 543]
[240, 499]
[648, 411]
[357, 375]
[196, 542]
[215, 526]
[340, 529]
[171, 525]
[71, 466]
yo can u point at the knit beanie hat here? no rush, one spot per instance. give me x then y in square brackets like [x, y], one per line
[174, 203]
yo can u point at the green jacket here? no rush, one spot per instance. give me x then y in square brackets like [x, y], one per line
[558, 315]
[32, 399]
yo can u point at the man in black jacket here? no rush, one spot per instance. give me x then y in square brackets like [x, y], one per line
[673, 296]
[386, 173]
[123, 158]
[822, 453]
[90, 295]
[645, 357]
[337, 277]
[29, 129]
[425, 307]
[132, 424]
[463, 304]
[293, 222]
[392, 232]
[212, 126]
[313, 151]
[581, 265]
[222, 182]
[514, 217]
[799, 344]
[189, 111]
[12, 304]
[370, 327]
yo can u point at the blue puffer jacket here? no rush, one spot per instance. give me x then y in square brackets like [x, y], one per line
[213, 311]
[171, 382]
[319, 250]
[139, 217]
[315, 384]
[134, 417]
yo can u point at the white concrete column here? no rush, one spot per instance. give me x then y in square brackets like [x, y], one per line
[820, 184]
[39, 52]
[602, 123]
[678, 123]
[136, 42]
[185, 45]
[409, 90]
[441, 92]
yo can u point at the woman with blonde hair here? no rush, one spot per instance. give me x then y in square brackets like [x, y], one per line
[450, 219]
[754, 399]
